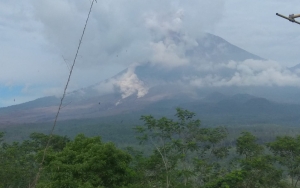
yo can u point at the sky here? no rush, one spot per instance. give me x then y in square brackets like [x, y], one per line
[39, 38]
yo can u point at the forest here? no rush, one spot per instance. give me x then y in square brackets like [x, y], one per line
[169, 152]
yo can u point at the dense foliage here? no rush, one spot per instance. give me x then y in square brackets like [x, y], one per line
[179, 152]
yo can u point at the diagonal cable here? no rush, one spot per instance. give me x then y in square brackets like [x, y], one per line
[61, 101]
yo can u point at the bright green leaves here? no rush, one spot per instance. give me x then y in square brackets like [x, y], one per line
[83, 163]
[39, 141]
[89, 162]
[17, 165]
[180, 152]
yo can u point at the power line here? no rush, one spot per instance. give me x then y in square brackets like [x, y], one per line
[61, 101]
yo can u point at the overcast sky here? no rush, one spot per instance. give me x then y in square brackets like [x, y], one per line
[39, 38]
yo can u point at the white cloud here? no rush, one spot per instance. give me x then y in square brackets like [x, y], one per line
[164, 24]
[35, 34]
[104, 87]
[253, 26]
[53, 91]
[249, 73]
[128, 30]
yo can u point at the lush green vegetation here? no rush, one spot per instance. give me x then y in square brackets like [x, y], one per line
[180, 152]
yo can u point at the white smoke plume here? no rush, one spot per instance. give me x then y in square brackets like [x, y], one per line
[130, 84]
[127, 84]
[134, 31]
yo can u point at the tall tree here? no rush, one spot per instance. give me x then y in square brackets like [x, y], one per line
[87, 162]
[182, 148]
[257, 168]
[287, 152]
[246, 146]
[19, 162]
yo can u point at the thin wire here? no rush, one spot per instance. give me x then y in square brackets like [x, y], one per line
[66, 63]
[61, 101]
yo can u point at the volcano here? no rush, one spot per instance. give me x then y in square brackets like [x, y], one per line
[213, 70]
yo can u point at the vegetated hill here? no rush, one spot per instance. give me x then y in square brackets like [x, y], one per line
[147, 88]
[246, 109]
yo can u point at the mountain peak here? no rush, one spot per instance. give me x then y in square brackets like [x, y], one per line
[216, 49]
[145, 84]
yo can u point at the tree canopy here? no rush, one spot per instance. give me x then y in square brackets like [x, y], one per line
[178, 152]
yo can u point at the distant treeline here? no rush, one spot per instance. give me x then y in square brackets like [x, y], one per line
[180, 152]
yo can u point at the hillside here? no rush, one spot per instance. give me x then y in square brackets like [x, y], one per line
[210, 84]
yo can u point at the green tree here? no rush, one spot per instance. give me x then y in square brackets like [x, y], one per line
[256, 168]
[287, 152]
[246, 146]
[252, 169]
[19, 161]
[182, 148]
[38, 141]
[17, 165]
[87, 162]
[231, 180]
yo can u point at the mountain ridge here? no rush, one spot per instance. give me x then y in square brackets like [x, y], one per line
[147, 86]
